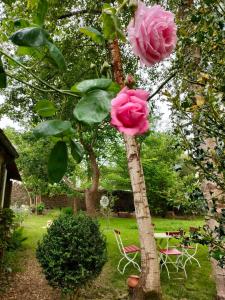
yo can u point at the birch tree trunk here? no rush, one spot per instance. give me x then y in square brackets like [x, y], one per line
[149, 283]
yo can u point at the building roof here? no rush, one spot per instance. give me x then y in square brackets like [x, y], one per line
[11, 151]
[5, 142]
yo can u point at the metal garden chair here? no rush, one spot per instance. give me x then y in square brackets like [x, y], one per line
[167, 255]
[190, 250]
[129, 253]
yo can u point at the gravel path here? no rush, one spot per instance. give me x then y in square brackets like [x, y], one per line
[30, 284]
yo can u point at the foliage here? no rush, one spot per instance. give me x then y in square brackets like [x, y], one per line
[40, 208]
[72, 252]
[60, 105]
[16, 240]
[170, 180]
[33, 162]
[67, 210]
[197, 98]
[112, 283]
[20, 214]
[6, 224]
[11, 238]
[213, 238]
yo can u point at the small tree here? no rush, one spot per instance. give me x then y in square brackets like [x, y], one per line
[72, 252]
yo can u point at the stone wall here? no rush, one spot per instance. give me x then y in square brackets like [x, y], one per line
[60, 201]
[124, 199]
[19, 194]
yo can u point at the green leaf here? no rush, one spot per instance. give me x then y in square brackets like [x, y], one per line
[41, 12]
[57, 163]
[76, 151]
[88, 85]
[52, 127]
[34, 52]
[114, 87]
[3, 79]
[45, 108]
[57, 56]
[21, 23]
[93, 107]
[93, 33]
[30, 37]
[9, 2]
[111, 24]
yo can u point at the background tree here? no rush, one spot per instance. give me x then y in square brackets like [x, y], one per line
[71, 41]
[170, 179]
[197, 104]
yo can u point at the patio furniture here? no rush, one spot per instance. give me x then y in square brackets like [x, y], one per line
[129, 253]
[168, 254]
[190, 249]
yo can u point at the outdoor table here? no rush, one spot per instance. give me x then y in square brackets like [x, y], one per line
[170, 251]
[163, 235]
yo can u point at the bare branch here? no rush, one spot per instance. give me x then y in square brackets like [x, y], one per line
[65, 92]
[162, 85]
[28, 84]
[78, 12]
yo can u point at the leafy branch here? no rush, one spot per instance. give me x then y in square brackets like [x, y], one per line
[52, 88]
[78, 12]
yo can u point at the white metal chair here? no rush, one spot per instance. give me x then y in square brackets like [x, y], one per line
[129, 253]
[190, 250]
[167, 254]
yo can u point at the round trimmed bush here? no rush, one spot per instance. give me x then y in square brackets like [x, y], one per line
[72, 252]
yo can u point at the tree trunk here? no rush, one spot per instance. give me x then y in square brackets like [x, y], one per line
[91, 194]
[149, 283]
[219, 274]
[210, 191]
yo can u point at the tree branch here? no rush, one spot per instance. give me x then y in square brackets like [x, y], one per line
[36, 77]
[79, 12]
[162, 85]
[28, 84]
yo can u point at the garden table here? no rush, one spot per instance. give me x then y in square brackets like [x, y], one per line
[166, 254]
[164, 235]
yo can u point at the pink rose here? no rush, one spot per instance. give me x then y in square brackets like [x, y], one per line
[152, 33]
[129, 111]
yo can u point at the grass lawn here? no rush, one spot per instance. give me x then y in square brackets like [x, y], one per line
[198, 286]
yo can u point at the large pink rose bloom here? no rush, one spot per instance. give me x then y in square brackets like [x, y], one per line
[152, 33]
[129, 111]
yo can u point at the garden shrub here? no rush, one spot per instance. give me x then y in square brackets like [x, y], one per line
[16, 239]
[40, 208]
[67, 210]
[20, 212]
[72, 252]
[6, 224]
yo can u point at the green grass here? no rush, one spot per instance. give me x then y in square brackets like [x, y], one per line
[198, 286]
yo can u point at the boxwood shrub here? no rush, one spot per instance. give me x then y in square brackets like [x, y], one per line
[72, 252]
